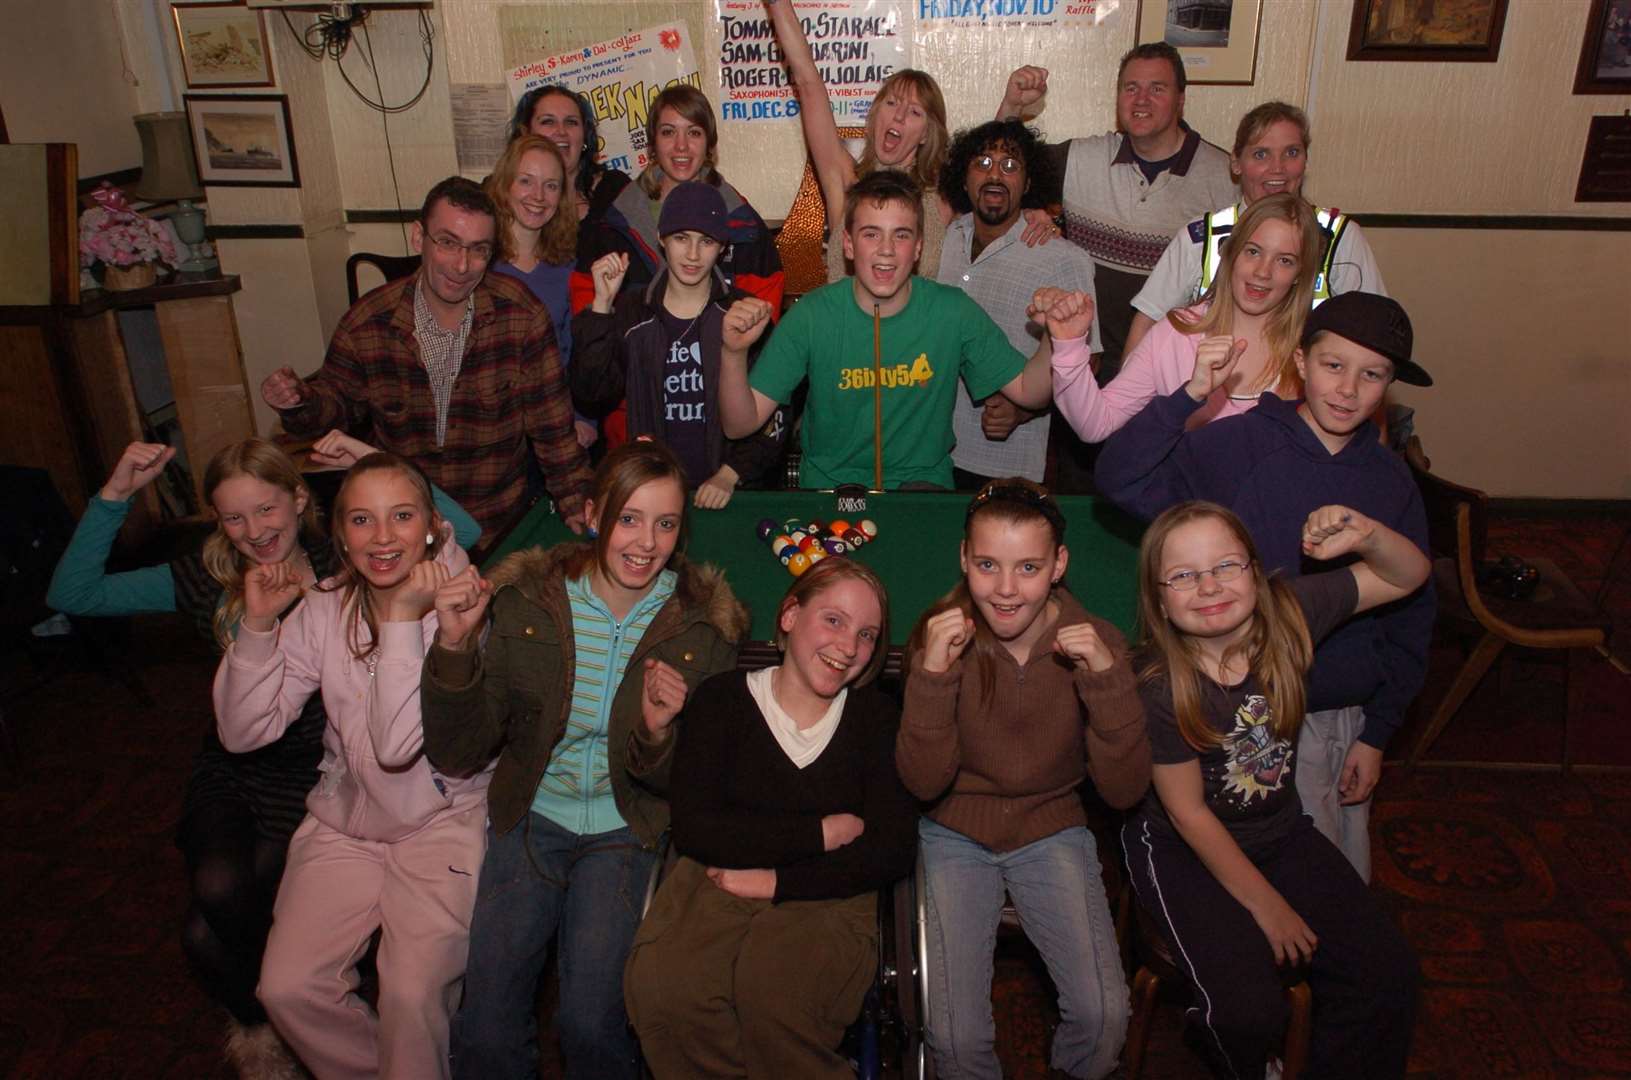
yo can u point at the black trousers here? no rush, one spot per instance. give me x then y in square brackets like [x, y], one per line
[1363, 975]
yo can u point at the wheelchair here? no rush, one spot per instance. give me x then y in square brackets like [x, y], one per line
[889, 1030]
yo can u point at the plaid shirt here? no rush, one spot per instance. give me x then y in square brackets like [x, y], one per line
[442, 352]
[509, 390]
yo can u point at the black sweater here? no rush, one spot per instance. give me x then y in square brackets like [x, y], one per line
[738, 802]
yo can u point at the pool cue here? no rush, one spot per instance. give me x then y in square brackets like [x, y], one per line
[877, 400]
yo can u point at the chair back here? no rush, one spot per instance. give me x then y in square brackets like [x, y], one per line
[1443, 501]
[390, 267]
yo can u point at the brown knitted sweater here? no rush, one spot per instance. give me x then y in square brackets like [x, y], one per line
[1006, 776]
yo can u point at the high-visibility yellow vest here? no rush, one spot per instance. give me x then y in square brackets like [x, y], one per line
[1219, 223]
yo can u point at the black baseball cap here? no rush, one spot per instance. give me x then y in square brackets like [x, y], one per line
[1376, 322]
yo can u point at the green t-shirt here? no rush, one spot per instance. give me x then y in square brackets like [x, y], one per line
[939, 336]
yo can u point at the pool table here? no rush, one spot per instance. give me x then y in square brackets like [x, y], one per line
[915, 552]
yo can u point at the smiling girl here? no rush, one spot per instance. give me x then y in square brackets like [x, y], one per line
[1270, 158]
[239, 810]
[905, 130]
[1221, 854]
[1252, 318]
[387, 841]
[592, 651]
[788, 818]
[1014, 696]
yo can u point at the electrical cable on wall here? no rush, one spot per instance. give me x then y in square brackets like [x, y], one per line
[330, 37]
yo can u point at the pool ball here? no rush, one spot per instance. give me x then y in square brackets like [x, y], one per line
[766, 528]
[834, 546]
[807, 543]
[798, 564]
[854, 538]
[838, 526]
[815, 555]
[870, 529]
[781, 541]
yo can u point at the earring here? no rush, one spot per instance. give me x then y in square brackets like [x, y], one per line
[430, 538]
[594, 533]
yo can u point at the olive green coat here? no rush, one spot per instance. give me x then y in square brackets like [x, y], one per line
[511, 699]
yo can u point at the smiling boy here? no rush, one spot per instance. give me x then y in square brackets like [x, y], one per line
[1274, 466]
[926, 337]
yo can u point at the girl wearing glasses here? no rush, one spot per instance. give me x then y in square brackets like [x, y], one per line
[1014, 695]
[1222, 857]
[1252, 317]
[905, 130]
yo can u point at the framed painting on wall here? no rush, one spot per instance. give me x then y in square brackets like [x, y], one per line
[222, 44]
[1605, 55]
[1216, 38]
[242, 140]
[1447, 30]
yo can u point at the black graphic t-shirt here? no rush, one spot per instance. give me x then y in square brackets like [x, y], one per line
[685, 403]
[1249, 780]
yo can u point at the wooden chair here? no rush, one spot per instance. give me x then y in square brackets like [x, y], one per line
[391, 267]
[1158, 967]
[1557, 616]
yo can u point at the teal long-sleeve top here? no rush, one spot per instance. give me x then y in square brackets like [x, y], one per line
[81, 584]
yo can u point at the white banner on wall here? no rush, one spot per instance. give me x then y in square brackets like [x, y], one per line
[857, 44]
[620, 77]
[993, 14]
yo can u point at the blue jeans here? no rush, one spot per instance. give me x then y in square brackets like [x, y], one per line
[539, 878]
[1056, 887]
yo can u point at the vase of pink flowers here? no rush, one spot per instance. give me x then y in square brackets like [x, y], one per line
[128, 246]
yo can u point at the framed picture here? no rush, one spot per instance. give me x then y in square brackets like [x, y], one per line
[1605, 56]
[1216, 38]
[1446, 30]
[242, 140]
[222, 44]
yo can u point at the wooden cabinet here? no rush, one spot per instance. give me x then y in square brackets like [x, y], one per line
[69, 403]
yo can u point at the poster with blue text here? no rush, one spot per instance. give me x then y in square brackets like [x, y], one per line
[620, 77]
[856, 45]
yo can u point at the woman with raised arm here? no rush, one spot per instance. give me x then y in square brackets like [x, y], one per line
[905, 130]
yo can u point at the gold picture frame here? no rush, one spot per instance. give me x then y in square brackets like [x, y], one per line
[1216, 38]
[223, 45]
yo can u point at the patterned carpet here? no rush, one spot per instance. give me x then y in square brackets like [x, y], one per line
[1515, 888]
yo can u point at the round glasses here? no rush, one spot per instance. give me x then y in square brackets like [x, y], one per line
[1185, 580]
[1008, 165]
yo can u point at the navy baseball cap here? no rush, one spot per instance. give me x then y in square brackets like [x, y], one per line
[696, 207]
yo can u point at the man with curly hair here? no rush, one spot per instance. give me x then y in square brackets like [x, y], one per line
[991, 174]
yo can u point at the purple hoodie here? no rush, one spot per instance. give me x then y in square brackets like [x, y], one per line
[1269, 467]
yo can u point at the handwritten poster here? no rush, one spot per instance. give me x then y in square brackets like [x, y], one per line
[857, 44]
[620, 77]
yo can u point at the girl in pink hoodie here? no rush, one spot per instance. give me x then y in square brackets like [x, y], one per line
[388, 843]
[1249, 324]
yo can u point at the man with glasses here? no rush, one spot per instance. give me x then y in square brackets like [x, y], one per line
[991, 174]
[454, 369]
